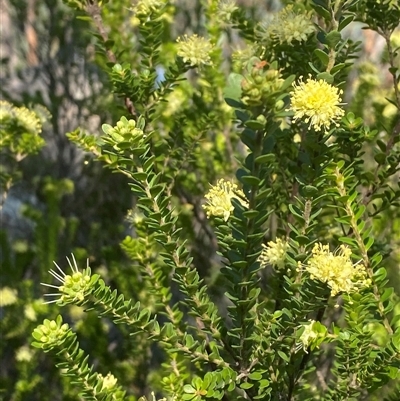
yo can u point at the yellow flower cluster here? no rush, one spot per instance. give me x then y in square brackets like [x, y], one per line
[26, 119]
[219, 199]
[336, 269]
[318, 102]
[308, 335]
[274, 254]
[314, 333]
[194, 50]
[288, 25]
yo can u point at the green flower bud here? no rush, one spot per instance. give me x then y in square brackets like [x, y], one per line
[51, 333]
[279, 105]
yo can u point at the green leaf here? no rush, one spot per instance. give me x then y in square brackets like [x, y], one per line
[345, 21]
[246, 385]
[139, 176]
[288, 81]
[369, 243]
[322, 11]
[255, 376]
[387, 294]
[187, 388]
[250, 180]
[324, 58]
[325, 76]
[254, 124]
[380, 158]
[284, 356]
[338, 67]
[265, 159]
[233, 90]
[333, 38]
[302, 239]
[348, 241]
[251, 214]
[396, 340]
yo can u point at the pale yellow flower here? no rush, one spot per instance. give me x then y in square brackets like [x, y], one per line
[318, 102]
[225, 9]
[155, 399]
[175, 102]
[8, 296]
[297, 138]
[308, 335]
[219, 199]
[243, 56]
[194, 50]
[336, 269]
[30, 312]
[274, 254]
[6, 111]
[288, 25]
[24, 354]
[108, 382]
[313, 335]
[145, 7]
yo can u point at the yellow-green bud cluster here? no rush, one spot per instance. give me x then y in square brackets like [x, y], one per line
[124, 134]
[260, 84]
[51, 333]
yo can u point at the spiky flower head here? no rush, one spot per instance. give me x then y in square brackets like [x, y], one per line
[274, 254]
[317, 102]
[51, 333]
[194, 50]
[76, 287]
[336, 269]
[287, 26]
[219, 199]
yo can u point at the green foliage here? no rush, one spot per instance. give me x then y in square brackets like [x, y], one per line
[283, 284]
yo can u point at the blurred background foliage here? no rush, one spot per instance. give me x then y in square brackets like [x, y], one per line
[58, 200]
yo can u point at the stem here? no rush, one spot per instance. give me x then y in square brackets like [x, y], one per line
[335, 25]
[392, 70]
[94, 12]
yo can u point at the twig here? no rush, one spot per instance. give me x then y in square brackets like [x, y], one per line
[94, 11]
